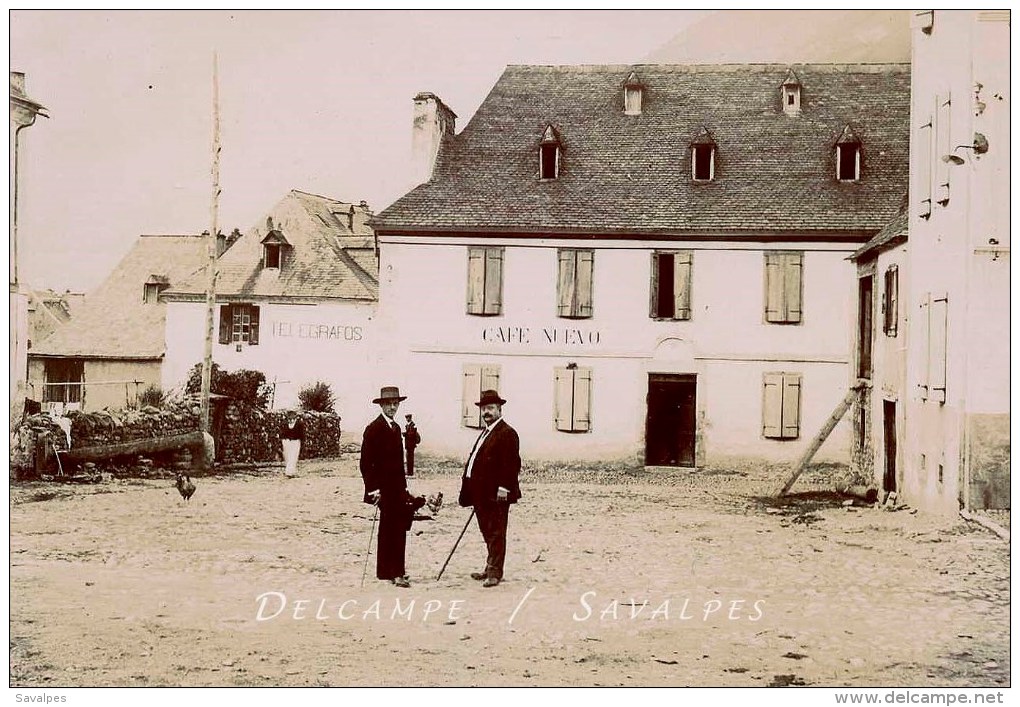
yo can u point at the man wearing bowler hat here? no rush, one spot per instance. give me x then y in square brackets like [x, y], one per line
[490, 483]
[382, 469]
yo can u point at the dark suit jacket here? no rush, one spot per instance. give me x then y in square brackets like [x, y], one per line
[382, 464]
[497, 463]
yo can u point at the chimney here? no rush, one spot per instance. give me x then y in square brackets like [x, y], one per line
[433, 121]
[221, 243]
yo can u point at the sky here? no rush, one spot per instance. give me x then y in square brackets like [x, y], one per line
[318, 101]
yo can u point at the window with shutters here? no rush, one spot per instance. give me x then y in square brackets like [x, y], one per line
[781, 406]
[573, 399]
[938, 312]
[671, 285]
[239, 324]
[923, 184]
[890, 300]
[783, 287]
[574, 283]
[485, 281]
[943, 147]
[477, 377]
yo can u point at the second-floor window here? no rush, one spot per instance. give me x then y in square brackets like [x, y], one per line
[574, 283]
[671, 285]
[485, 281]
[239, 324]
[783, 287]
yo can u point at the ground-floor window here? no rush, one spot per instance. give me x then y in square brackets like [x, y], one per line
[573, 399]
[781, 406]
[64, 379]
[477, 377]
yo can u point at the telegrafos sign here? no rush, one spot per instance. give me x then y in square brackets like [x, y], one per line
[324, 332]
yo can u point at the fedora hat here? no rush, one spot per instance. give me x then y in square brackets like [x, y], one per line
[389, 393]
[490, 397]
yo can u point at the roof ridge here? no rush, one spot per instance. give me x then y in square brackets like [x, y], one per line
[833, 67]
[320, 196]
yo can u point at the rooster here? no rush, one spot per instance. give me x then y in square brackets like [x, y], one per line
[185, 487]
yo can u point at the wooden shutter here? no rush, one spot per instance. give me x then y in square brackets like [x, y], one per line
[585, 282]
[563, 398]
[476, 281]
[924, 150]
[772, 406]
[938, 313]
[943, 146]
[490, 380]
[253, 337]
[774, 305]
[565, 282]
[653, 297]
[471, 414]
[793, 269]
[581, 415]
[493, 281]
[791, 405]
[682, 261]
[226, 323]
[891, 300]
[925, 332]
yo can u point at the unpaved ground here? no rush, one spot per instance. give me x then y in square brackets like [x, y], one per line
[124, 584]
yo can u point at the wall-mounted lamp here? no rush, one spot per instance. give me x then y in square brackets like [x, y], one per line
[980, 147]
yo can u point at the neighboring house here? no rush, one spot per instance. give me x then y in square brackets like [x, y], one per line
[49, 310]
[649, 262]
[295, 298]
[940, 434]
[113, 347]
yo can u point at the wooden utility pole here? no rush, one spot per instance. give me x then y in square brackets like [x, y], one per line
[210, 288]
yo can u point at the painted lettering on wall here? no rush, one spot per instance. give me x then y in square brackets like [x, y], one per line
[545, 335]
[335, 332]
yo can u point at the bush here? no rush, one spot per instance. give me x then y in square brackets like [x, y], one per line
[243, 385]
[317, 397]
[152, 396]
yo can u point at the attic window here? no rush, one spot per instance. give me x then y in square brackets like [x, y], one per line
[848, 156]
[791, 94]
[632, 95]
[272, 255]
[549, 154]
[703, 157]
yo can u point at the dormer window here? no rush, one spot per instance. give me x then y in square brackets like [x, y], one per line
[791, 94]
[549, 154]
[273, 246]
[848, 156]
[703, 157]
[153, 286]
[632, 95]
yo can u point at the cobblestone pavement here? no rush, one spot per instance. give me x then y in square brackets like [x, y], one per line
[682, 578]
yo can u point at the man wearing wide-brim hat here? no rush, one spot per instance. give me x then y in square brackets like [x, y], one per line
[490, 483]
[382, 469]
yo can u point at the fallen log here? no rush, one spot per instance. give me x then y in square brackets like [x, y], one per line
[199, 443]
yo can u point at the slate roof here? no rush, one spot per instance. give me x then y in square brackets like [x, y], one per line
[114, 321]
[894, 233]
[632, 174]
[325, 258]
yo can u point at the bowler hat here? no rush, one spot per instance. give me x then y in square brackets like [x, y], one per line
[389, 393]
[490, 397]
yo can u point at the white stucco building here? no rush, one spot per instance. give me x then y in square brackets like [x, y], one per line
[296, 299]
[649, 262]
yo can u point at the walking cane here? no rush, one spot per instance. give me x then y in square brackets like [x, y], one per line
[364, 572]
[456, 544]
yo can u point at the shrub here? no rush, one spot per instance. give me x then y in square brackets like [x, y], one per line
[317, 397]
[152, 396]
[243, 385]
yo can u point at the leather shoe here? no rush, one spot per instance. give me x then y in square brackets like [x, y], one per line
[479, 576]
[490, 582]
[402, 582]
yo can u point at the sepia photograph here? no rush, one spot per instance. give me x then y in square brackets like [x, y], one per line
[504, 349]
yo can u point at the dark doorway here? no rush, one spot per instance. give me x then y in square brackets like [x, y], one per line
[672, 420]
[889, 424]
[865, 323]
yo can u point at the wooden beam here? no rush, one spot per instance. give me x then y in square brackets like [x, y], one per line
[822, 435]
[195, 441]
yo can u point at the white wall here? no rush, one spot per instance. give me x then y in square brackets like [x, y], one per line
[726, 343]
[298, 344]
